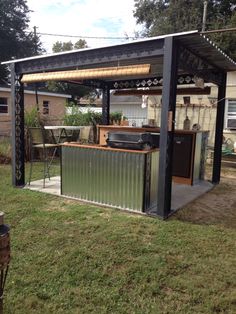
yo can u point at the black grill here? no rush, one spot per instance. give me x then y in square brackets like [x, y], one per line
[132, 140]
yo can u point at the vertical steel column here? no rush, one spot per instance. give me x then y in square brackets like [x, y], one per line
[219, 130]
[17, 105]
[105, 105]
[170, 72]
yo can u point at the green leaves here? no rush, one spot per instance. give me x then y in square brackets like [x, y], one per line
[163, 17]
[15, 40]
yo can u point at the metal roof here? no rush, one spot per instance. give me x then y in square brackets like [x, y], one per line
[91, 49]
[193, 40]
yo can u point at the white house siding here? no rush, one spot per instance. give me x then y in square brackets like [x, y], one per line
[133, 112]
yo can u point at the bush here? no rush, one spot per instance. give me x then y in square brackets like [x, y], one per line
[32, 118]
[77, 117]
[5, 150]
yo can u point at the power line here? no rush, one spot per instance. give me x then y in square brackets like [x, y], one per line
[88, 37]
[224, 30]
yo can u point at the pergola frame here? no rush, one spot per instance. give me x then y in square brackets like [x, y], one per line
[181, 61]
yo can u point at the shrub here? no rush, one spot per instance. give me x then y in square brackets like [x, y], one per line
[77, 117]
[5, 150]
[32, 118]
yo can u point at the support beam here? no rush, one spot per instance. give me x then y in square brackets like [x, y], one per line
[219, 131]
[105, 105]
[170, 71]
[17, 102]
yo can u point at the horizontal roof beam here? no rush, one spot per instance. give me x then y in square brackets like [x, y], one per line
[109, 55]
[158, 92]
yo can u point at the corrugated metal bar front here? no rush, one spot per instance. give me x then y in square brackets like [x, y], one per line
[114, 178]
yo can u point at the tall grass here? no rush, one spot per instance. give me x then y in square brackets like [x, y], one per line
[5, 149]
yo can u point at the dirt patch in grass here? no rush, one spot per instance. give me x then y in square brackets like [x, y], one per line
[215, 207]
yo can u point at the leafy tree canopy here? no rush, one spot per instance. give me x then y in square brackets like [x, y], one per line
[15, 40]
[164, 17]
[72, 89]
[67, 46]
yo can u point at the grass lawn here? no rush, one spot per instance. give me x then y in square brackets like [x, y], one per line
[69, 257]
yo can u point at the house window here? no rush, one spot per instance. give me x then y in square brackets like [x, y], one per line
[45, 107]
[230, 114]
[3, 105]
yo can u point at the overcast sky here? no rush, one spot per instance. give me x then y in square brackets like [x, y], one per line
[83, 17]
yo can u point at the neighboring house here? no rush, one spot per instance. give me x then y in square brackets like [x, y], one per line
[51, 107]
[129, 106]
[202, 110]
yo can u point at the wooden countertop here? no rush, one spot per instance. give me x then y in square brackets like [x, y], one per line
[139, 129]
[92, 146]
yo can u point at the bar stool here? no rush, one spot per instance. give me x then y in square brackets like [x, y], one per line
[37, 140]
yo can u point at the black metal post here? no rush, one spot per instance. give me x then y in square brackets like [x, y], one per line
[105, 105]
[17, 102]
[170, 71]
[219, 130]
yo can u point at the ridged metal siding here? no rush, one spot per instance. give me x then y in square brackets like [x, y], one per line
[107, 177]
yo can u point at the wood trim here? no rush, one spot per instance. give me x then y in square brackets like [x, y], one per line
[180, 91]
[182, 180]
[76, 144]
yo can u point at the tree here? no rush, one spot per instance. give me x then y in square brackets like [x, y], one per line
[72, 89]
[15, 40]
[67, 46]
[80, 44]
[163, 17]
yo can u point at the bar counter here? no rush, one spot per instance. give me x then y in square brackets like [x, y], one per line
[189, 149]
[120, 178]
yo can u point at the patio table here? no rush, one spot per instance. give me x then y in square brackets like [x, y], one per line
[66, 132]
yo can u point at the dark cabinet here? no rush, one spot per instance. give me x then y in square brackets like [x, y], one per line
[182, 155]
[189, 156]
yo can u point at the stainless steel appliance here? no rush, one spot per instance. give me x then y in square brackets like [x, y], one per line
[131, 140]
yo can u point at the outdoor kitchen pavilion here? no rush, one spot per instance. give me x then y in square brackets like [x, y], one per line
[174, 60]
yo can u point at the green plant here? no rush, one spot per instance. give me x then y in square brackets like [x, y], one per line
[115, 116]
[77, 117]
[96, 118]
[5, 150]
[32, 118]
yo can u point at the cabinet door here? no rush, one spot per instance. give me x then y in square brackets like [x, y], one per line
[182, 155]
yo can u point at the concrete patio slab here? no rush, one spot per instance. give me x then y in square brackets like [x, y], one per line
[181, 194]
[52, 186]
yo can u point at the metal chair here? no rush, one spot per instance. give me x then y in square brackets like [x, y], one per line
[69, 135]
[38, 141]
[85, 133]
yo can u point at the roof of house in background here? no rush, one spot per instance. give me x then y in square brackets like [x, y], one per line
[31, 91]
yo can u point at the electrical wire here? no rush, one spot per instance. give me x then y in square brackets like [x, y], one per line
[88, 37]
